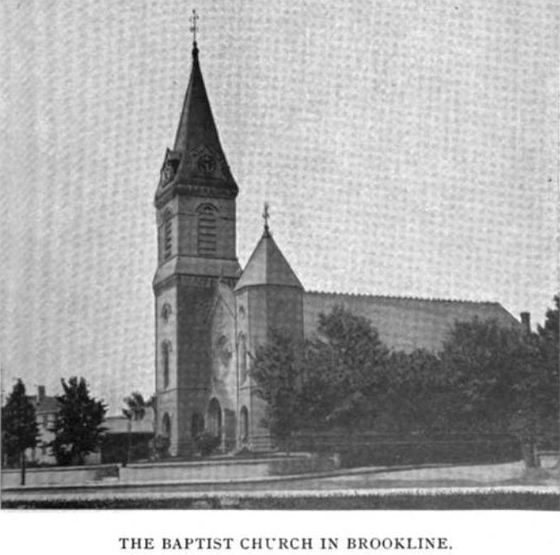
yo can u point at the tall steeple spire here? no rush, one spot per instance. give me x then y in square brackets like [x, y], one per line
[197, 159]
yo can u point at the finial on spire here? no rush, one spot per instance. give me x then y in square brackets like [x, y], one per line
[266, 216]
[194, 28]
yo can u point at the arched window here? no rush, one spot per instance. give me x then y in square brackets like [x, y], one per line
[215, 418]
[242, 358]
[207, 230]
[166, 312]
[167, 234]
[165, 350]
[244, 424]
[166, 426]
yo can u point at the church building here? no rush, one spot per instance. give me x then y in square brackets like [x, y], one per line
[211, 314]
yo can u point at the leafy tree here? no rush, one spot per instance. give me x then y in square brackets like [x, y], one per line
[344, 371]
[135, 411]
[549, 343]
[501, 383]
[19, 426]
[275, 371]
[136, 406]
[78, 424]
[549, 336]
[206, 443]
[551, 328]
[417, 395]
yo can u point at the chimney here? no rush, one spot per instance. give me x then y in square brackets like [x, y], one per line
[526, 321]
[40, 394]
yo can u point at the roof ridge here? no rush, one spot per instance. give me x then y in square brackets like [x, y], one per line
[397, 297]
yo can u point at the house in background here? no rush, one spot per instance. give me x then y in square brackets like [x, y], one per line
[123, 433]
[46, 409]
[115, 441]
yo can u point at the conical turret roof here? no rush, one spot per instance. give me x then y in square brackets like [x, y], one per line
[267, 266]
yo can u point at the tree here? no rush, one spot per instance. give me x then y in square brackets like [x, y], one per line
[549, 339]
[501, 383]
[19, 426]
[551, 328]
[135, 411]
[333, 380]
[275, 371]
[416, 394]
[344, 371]
[78, 424]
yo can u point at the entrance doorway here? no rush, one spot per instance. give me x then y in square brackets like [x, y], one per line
[197, 424]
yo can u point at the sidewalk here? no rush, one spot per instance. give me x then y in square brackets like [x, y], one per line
[425, 476]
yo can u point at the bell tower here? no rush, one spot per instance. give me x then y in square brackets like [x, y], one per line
[195, 212]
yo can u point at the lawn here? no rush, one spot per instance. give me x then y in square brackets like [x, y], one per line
[435, 499]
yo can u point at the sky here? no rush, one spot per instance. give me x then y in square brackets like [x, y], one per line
[406, 148]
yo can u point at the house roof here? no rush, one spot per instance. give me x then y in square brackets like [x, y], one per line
[47, 405]
[405, 323]
[267, 266]
[119, 424]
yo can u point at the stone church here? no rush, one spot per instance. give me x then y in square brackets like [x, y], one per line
[211, 314]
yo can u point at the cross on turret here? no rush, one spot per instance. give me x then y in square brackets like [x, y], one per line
[194, 27]
[266, 216]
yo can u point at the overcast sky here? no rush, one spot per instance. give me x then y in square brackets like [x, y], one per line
[406, 148]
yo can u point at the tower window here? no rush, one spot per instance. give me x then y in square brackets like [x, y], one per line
[242, 358]
[165, 348]
[207, 230]
[167, 235]
[166, 425]
[166, 312]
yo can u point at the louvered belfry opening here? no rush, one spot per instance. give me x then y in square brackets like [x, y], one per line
[207, 231]
[168, 239]
[167, 235]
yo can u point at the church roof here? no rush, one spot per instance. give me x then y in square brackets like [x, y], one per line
[197, 158]
[405, 323]
[267, 266]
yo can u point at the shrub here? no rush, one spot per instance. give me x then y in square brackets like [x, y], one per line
[206, 443]
[161, 447]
